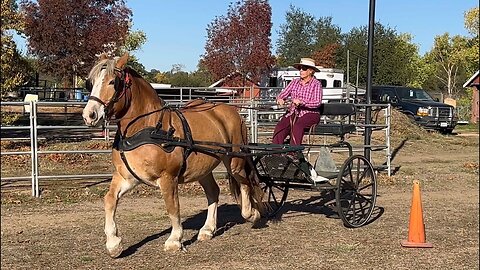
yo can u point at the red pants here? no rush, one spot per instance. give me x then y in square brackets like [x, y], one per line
[283, 128]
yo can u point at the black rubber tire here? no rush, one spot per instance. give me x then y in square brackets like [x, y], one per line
[356, 191]
[275, 196]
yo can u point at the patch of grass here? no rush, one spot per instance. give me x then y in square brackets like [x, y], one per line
[469, 127]
[344, 248]
[86, 259]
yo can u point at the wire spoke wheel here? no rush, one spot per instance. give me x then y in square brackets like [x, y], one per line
[275, 195]
[275, 192]
[356, 191]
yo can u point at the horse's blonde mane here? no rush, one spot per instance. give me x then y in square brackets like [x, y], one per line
[107, 64]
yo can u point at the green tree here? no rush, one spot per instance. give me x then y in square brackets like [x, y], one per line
[202, 75]
[297, 37]
[472, 21]
[472, 25]
[326, 33]
[355, 41]
[394, 56]
[133, 42]
[328, 38]
[14, 68]
[449, 56]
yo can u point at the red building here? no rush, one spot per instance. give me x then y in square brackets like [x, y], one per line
[474, 82]
[239, 85]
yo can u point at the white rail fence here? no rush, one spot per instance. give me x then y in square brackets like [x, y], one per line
[259, 123]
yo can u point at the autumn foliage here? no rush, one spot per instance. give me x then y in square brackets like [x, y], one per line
[326, 57]
[240, 41]
[66, 35]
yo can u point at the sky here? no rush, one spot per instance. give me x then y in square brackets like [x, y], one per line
[176, 30]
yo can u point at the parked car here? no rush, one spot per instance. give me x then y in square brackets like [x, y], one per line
[418, 105]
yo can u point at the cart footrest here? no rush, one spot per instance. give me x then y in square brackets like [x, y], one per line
[329, 175]
[280, 166]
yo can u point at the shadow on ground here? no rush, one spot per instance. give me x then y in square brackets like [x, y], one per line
[322, 204]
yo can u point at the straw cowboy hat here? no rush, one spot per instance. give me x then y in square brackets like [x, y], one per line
[309, 62]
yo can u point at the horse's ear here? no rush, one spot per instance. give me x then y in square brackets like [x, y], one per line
[103, 56]
[122, 61]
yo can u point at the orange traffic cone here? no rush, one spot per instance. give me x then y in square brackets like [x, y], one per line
[416, 228]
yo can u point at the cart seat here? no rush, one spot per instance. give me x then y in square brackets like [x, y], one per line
[333, 129]
[340, 128]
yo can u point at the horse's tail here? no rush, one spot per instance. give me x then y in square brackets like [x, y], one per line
[234, 187]
[256, 193]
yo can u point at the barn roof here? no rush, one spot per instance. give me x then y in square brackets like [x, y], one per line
[233, 74]
[474, 80]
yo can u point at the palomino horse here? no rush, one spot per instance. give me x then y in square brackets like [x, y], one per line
[119, 91]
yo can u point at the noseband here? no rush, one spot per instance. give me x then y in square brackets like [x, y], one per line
[121, 84]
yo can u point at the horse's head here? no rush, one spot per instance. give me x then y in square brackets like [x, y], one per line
[107, 85]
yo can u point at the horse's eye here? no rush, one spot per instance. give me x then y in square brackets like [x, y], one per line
[112, 82]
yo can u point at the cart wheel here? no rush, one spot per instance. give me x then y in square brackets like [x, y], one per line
[275, 196]
[356, 191]
[275, 192]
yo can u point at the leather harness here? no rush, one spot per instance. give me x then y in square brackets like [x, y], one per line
[149, 135]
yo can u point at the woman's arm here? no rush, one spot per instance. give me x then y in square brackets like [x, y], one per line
[286, 91]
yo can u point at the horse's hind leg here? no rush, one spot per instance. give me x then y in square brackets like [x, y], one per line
[169, 188]
[237, 170]
[212, 192]
[118, 187]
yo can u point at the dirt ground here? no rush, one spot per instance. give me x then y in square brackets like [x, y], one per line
[64, 229]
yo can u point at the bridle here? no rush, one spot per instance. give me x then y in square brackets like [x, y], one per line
[121, 84]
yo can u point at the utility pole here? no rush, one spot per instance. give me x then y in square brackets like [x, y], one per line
[368, 109]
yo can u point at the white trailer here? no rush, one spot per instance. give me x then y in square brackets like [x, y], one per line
[331, 79]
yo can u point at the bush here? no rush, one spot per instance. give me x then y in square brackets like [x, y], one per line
[9, 118]
[464, 105]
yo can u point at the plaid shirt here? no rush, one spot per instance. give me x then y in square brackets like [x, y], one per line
[310, 95]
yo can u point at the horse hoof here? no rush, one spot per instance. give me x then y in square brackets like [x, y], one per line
[115, 252]
[204, 235]
[173, 246]
[114, 247]
[254, 217]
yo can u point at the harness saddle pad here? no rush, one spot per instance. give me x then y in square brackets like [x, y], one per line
[149, 135]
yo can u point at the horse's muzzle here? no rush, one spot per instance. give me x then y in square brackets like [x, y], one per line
[91, 118]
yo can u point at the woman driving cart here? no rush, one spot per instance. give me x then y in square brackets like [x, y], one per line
[306, 96]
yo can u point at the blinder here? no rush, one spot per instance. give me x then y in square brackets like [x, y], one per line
[89, 85]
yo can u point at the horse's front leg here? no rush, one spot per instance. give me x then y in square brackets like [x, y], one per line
[212, 192]
[169, 188]
[118, 187]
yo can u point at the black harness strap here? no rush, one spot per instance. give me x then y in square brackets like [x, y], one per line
[124, 159]
[187, 134]
[166, 138]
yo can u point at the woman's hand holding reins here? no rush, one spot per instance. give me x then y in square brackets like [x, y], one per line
[280, 102]
[296, 102]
